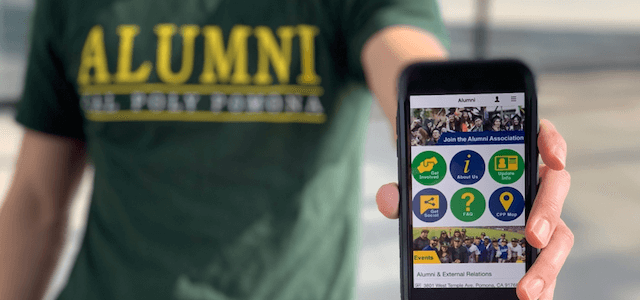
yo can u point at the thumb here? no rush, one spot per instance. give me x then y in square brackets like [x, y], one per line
[388, 199]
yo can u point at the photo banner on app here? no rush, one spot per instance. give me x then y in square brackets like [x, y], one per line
[481, 138]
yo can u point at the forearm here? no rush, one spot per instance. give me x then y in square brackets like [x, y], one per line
[30, 244]
[387, 53]
[34, 214]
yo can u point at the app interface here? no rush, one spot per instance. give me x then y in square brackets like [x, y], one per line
[467, 188]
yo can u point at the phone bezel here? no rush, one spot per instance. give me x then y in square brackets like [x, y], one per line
[461, 77]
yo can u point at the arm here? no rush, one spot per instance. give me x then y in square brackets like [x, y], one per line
[33, 217]
[387, 53]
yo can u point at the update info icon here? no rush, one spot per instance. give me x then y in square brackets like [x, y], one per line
[506, 163]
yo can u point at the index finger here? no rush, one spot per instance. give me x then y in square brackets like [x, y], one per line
[552, 146]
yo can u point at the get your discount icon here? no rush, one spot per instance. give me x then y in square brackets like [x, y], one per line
[429, 168]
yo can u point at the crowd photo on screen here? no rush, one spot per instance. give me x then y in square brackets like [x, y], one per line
[473, 245]
[428, 124]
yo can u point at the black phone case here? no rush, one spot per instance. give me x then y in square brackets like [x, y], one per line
[461, 77]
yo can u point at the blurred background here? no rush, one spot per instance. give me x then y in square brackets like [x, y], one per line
[586, 57]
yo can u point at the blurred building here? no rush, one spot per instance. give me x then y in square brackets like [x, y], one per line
[550, 36]
[14, 29]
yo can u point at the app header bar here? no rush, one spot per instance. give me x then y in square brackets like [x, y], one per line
[466, 100]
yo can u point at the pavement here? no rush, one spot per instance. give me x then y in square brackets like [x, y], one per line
[596, 112]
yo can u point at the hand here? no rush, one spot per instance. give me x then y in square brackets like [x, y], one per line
[545, 230]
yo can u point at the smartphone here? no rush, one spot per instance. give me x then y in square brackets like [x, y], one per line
[468, 174]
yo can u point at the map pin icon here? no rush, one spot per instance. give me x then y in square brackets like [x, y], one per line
[506, 199]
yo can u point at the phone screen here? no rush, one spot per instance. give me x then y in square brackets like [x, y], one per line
[467, 186]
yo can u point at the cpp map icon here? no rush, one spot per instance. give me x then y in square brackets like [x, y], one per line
[506, 204]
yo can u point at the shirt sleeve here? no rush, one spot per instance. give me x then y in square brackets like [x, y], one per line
[49, 102]
[366, 17]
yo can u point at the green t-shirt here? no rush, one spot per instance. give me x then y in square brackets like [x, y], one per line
[226, 138]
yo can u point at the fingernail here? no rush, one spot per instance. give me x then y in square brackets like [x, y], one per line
[535, 289]
[542, 230]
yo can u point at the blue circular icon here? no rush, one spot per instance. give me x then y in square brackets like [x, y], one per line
[467, 167]
[506, 204]
[429, 205]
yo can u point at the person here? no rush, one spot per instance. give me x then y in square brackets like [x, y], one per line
[482, 237]
[506, 123]
[444, 254]
[459, 253]
[504, 252]
[503, 237]
[210, 138]
[419, 137]
[415, 140]
[515, 250]
[214, 129]
[489, 250]
[415, 125]
[440, 119]
[463, 233]
[444, 237]
[481, 249]
[422, 240]
[472, 250]
[453, 122]
[477, 124]
[457, 234]
[516, 123]
[424, 136]
[427, 124]
[435, 137]
[433, 244]
[467, 121]
[496, 250]
[496, 124]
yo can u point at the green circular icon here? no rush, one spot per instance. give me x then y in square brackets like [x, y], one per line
[506, 166]
[429, 168]
[467, 204]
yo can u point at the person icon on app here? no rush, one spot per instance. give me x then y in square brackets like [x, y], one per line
[502, 164]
